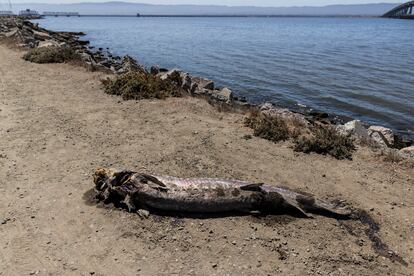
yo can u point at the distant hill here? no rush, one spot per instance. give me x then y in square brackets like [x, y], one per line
[125, 8]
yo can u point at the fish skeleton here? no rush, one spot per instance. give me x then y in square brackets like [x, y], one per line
[204, 195]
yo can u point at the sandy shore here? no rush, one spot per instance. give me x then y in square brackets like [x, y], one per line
[57, 126]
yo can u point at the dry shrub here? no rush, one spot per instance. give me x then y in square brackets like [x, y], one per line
[51, 54]
[142, 85]
[391, 155]
[297, 127]
[272, 128]
[326, 140]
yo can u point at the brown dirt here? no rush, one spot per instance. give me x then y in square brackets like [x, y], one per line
[57, 126]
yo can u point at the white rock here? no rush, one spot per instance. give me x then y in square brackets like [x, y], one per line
[224, 95]
[355, 128]
[48, 43]
[41, 35]
[408, 152]
[271, 110]
[382, 135]
[143, 213]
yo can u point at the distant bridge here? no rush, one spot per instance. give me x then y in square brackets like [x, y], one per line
[56, 14]
[404, 11]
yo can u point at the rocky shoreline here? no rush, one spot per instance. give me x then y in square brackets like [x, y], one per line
[25, 34]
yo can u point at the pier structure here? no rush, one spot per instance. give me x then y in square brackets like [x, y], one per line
[57, 14]
[29, 13]
[403, 11]
[6, 13]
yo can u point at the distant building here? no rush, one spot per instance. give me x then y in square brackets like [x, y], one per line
[29, 13]
[6, 13]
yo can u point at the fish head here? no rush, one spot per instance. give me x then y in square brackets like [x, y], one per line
[110, 177]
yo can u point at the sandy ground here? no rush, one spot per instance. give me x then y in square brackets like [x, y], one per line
[57, 126]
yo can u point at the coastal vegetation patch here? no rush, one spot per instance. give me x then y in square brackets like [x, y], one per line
[271, 128]
[51, 54]
[137, 85]
[321, 139]
[327, 141]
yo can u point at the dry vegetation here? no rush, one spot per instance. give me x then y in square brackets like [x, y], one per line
[327, 141]
[143, 85]
[318, 139]
[272, 128]
[51, 54]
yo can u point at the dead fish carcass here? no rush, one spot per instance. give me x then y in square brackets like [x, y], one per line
[203, 195]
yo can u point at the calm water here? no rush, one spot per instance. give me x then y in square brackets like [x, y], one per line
[361, 68]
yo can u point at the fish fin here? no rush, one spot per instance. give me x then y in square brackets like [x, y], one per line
[129, 203]
[255, 187]
[154, 182]
[295, 205]
[121, 177]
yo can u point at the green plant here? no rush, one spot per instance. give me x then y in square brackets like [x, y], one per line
[51, 54]
[142, 85]
[326, 140]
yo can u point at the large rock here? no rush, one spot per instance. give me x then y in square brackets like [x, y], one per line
[408, 152]
[128, 64]
[41, 35]
[48, 43]
[12, 32]
[271, 110]
[88, 58]
[354, 128]
[223, 95]
[382, 135]
[203, 83]
[166, 75]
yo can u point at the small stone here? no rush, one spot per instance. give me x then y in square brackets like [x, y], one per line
[143, 213]
[214, 265]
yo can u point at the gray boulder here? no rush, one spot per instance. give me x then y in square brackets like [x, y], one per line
[48, 43]
[382, 135]
[128, 64]
[223, 95]
[166, 75]
[271, 110]
[203, 83]
[408, 152]
[354, 128]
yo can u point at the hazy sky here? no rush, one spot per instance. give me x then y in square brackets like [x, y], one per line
[275, 3]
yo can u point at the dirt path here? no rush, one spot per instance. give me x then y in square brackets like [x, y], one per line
[57, 126]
